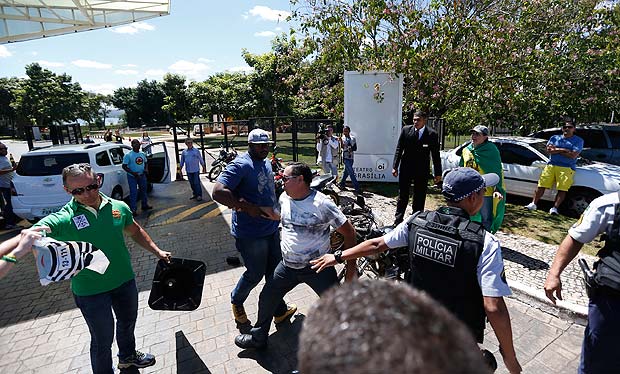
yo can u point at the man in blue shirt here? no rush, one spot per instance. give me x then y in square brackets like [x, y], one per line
[134, 163]
[564, 150]
[247, 187]
[192, 159]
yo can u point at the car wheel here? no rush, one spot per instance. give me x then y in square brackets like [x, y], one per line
[577, 201]
[117, 193]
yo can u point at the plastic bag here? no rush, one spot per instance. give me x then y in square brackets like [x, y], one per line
[59, 260]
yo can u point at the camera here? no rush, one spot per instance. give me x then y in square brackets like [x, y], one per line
[322, 133]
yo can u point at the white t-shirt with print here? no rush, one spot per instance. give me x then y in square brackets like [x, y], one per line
[306, 227]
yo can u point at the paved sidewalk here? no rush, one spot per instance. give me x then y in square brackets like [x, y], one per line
[41, 331]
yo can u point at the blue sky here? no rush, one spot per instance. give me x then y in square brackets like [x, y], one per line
[197, 39]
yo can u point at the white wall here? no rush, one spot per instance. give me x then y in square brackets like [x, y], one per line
[373, 110]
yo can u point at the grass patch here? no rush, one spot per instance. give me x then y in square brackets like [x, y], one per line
[538, 225]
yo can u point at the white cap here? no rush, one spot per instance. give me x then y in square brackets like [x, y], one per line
[258, 136]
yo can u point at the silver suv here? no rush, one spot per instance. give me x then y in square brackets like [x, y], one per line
[37, 186]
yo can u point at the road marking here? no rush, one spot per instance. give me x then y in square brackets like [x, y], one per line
[187, 213]
[162, 212]
[215, 212]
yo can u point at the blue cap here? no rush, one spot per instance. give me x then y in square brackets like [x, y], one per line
[459, 183]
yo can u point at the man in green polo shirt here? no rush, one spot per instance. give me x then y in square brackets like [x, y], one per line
[97, 219]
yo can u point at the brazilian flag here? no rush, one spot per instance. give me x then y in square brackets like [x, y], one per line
[485, 159]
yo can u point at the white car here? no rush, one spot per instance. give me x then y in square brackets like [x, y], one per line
[37, 188]
[523, 160]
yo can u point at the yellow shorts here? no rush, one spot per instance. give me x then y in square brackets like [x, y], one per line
[560, 175]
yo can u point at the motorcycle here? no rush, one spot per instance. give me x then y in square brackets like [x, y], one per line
[220, 162]
[391, 264]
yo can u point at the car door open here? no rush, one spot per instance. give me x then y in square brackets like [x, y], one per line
[158, 163]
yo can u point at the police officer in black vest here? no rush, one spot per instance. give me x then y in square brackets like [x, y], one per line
[600, 352]
[453, 259]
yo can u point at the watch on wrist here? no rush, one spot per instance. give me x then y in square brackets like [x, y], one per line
[338, 256]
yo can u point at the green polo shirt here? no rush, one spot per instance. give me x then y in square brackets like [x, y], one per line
[103, 228]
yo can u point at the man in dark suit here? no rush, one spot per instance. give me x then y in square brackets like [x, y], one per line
[415, 146]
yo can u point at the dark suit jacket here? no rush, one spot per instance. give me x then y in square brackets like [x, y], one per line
[413, 155]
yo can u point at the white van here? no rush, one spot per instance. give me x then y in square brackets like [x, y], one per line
[37, 188]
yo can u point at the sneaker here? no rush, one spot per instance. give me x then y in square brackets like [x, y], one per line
[138, 360]
[239, 312]
[290, 310]
[192, 198]
[246, 341]
[199, 198]
[531, 206]
[553, 210]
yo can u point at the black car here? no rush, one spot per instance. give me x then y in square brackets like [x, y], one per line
[601, 142]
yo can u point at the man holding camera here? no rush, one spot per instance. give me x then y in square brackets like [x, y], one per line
[327, 146]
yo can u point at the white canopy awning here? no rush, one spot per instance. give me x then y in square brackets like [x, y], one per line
[31, 19]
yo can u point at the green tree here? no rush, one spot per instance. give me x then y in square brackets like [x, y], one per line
[45, 98]
[142, 104]
[177, 102]
[503, 62]
[224, 95]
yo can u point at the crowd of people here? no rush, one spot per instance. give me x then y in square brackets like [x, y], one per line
[453, 253]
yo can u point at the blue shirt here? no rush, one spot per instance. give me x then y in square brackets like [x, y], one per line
[135, 161]
[251, 180]
[574, 143]
[192, 159]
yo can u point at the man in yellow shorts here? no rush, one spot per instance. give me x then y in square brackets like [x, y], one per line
[564, 150]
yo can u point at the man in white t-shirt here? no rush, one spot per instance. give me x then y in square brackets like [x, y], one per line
[307, 217]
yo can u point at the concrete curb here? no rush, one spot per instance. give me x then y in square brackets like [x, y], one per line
[537, 298]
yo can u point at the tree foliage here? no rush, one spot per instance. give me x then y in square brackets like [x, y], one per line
[499, 62]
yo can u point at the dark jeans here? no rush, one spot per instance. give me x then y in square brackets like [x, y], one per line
[97, 311]
[7, 212]
[136, 194]
[348, 171]
[420, 186]
[260, 256]
[285, 279]
[194, 183]
[600, 352]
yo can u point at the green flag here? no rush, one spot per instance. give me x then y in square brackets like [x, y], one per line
[485, 159]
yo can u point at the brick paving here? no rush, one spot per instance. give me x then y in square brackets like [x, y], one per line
[41, 331]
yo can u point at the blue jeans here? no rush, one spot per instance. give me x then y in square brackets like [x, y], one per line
[260, 256]
[285, 279]
[7, 212]
[330, 168]
[97, 311]
[348, 171]
[194, 183]
[134, 193]
[599, 353]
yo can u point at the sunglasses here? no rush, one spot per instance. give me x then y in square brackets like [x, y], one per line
[81, 190]
[568, 127]
[289, 177]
